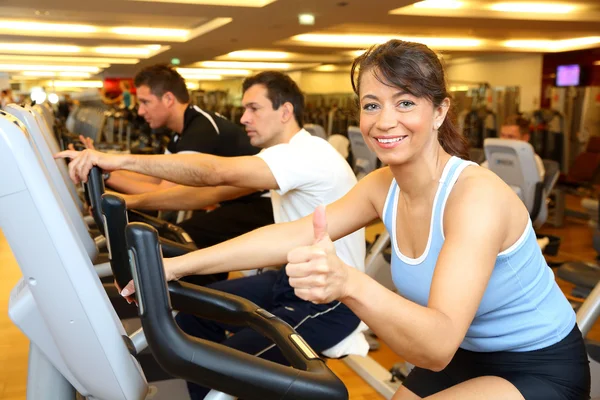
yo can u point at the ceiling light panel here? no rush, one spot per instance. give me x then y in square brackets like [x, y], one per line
[13, 58]
[150, 32]
[64, 68]
[9, 27]
[553, 45]
[258, 55]
[334, 40]
[70, 74]
[557, 10]
[37, 27]
[439, 4]
[198, 77]
[244, 65]
[121, 51]
[230, 3]
[541, 8]
[214, 71]
[38, 48]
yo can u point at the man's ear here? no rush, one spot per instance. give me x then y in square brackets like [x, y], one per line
[168, 99]
[288, 111]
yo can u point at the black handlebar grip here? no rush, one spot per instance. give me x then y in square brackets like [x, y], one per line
[114, 213]
[214, 365]
[95, 189]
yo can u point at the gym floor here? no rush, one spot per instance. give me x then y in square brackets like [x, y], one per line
[576, 245]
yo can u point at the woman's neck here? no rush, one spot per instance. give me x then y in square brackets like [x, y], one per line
[416, 178]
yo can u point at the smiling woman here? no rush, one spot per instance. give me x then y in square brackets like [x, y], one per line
[417, 79]
[477, 308]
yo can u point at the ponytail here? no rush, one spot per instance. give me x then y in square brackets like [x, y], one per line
[451, 140]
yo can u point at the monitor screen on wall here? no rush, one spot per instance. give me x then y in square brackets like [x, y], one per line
[568, 75]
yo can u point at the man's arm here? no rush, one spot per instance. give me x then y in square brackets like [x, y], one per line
[135, 183]
[184, 197]
[186, 169]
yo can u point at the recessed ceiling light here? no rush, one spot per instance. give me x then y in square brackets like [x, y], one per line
[440, 4]
[38, 48]
[541, 8]
[244, 64]
[28, 67]
[306, 19]
[367, 40]
[134, 51]
[231, 3]
[210, 71]
[46, 27]
[259, 55]
[150, 32]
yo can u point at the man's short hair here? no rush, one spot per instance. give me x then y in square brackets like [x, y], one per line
[519, 121]
[280, 89]
[162, 78]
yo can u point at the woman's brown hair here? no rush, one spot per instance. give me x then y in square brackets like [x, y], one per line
[416, 69]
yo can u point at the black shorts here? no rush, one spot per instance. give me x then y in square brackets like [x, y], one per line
[557, 372]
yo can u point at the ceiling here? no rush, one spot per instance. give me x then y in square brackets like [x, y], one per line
[117, 37]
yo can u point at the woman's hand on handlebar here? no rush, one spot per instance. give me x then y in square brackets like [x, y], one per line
[128, 291]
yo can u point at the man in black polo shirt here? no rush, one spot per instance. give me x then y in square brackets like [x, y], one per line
[164, 103]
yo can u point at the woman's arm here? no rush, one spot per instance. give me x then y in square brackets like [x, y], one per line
[269, 245]
[476, 226]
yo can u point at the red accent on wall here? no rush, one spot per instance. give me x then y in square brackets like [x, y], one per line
[112, 85]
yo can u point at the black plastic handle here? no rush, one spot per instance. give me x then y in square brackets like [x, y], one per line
[114, 213]
[214, 365]
[115, 217]
[175, 240]
[94, 187]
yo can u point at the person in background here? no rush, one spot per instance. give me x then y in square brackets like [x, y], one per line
[517, 128]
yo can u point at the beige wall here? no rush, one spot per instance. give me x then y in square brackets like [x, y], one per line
[325, 82]
[309, 82]
[523, 70]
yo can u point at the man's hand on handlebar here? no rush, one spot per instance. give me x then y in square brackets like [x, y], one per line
[83, 161]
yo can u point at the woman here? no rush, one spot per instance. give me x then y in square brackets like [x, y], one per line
[477, 311]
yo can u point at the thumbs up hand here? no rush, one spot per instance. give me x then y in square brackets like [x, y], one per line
[316, 272]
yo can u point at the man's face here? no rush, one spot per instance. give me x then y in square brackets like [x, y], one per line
[263, 124]
[154, 109]
[512, 132]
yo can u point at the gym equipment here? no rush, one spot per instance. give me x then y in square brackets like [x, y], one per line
[174, 239]
[548, 134]
[115, 218]
[585, 276]
[51, 166]
[78, 344]
[587, 315]
[54, 146]
[316, 130]
[386, 383]
[365, 160]
[514, 162]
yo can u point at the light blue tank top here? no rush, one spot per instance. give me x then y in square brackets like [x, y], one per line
[522, 308]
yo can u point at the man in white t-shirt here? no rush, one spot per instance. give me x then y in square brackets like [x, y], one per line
[517, 128]
[302, 172]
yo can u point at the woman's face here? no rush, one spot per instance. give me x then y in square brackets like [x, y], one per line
[396, 125]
